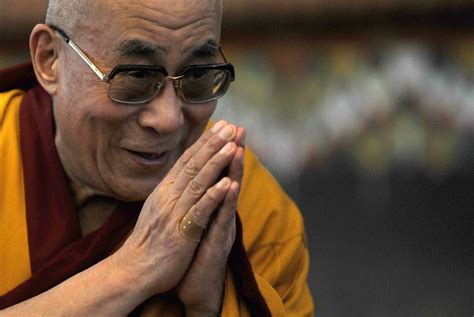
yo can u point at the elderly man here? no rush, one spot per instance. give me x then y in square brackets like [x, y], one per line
[115, 198]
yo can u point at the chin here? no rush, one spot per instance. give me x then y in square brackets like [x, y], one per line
[134, 190]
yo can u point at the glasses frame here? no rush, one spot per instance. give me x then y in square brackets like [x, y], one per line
[176, 80]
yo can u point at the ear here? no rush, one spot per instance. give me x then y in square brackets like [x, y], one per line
[44, 49]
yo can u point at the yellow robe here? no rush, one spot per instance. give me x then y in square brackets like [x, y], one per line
[273, 231]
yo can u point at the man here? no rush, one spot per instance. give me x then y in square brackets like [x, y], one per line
[117, 115]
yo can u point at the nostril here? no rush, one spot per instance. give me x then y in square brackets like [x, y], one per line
[164, 113]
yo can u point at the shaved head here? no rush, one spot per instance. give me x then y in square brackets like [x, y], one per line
[96, 136]
[70, 14]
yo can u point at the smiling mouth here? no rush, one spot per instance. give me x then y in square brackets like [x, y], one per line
[146, 155]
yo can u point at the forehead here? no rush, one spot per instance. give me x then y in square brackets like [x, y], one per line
[169, 25]
[173, 14]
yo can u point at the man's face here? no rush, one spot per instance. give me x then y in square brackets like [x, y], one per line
[121, 150]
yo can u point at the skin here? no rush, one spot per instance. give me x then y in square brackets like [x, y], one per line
[93, 135]
[94, 157]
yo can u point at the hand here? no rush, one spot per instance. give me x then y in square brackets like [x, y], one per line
[202, 287]
[156, 254]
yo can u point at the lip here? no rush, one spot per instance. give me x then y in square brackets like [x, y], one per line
[148, 162]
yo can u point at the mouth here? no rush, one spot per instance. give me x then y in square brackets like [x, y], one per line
[148, 157]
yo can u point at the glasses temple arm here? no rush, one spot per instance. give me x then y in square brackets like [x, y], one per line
[222, 53]
[81, 54]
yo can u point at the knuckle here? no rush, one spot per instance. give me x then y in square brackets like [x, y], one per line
[214, 165]
[199, 215]
[186, 156]
[196, 187]
[215, 144]
[161, 192]
[191, 168]
[164, 186]
[173, 198]
[213, 195]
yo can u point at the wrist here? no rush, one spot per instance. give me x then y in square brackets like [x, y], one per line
[205, 301]
[130, 275]
[205, 308]
[210, 305]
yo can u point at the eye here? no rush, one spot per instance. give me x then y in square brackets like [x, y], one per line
[140, 74]
[199, 73]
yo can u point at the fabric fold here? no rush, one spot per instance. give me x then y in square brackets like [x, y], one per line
[57, 249]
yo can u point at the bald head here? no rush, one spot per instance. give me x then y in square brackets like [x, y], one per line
[94, 135]
[70, 14]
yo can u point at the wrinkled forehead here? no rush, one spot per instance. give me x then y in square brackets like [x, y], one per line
[173, 14]
[155, 27]
[155, 15]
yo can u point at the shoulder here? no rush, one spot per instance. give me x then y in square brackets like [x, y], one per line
[9, 105]
[269, 216]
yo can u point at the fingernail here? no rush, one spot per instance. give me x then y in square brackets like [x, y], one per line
[226, 133]
[217, 126]
[226, 148]
[222, 183]
[243, 139]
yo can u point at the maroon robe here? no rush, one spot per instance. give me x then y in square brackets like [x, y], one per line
[57, 248]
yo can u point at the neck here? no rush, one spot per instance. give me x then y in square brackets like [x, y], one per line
[92, 209]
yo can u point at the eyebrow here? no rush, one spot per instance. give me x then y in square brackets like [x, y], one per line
[140, 48]
[209, 49]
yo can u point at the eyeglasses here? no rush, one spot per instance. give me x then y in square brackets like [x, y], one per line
[137, 84]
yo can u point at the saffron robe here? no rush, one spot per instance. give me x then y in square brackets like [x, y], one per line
[41, 243]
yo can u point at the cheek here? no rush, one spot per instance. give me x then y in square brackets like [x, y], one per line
[86, 99]
[198, 118]
[89, 122]
[80, 86]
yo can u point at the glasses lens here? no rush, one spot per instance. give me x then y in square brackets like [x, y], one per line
[204, 84]
[135, 86]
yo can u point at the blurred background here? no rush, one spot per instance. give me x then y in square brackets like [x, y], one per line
[364, 111]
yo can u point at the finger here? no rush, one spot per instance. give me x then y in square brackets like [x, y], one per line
[193, 149]
[227, 211]
[195, 221]
[240, 136]
[195, 163]
[221, 231]
[236, 167]
[206, 177]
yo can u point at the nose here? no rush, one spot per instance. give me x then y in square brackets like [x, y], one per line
[164, 113]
